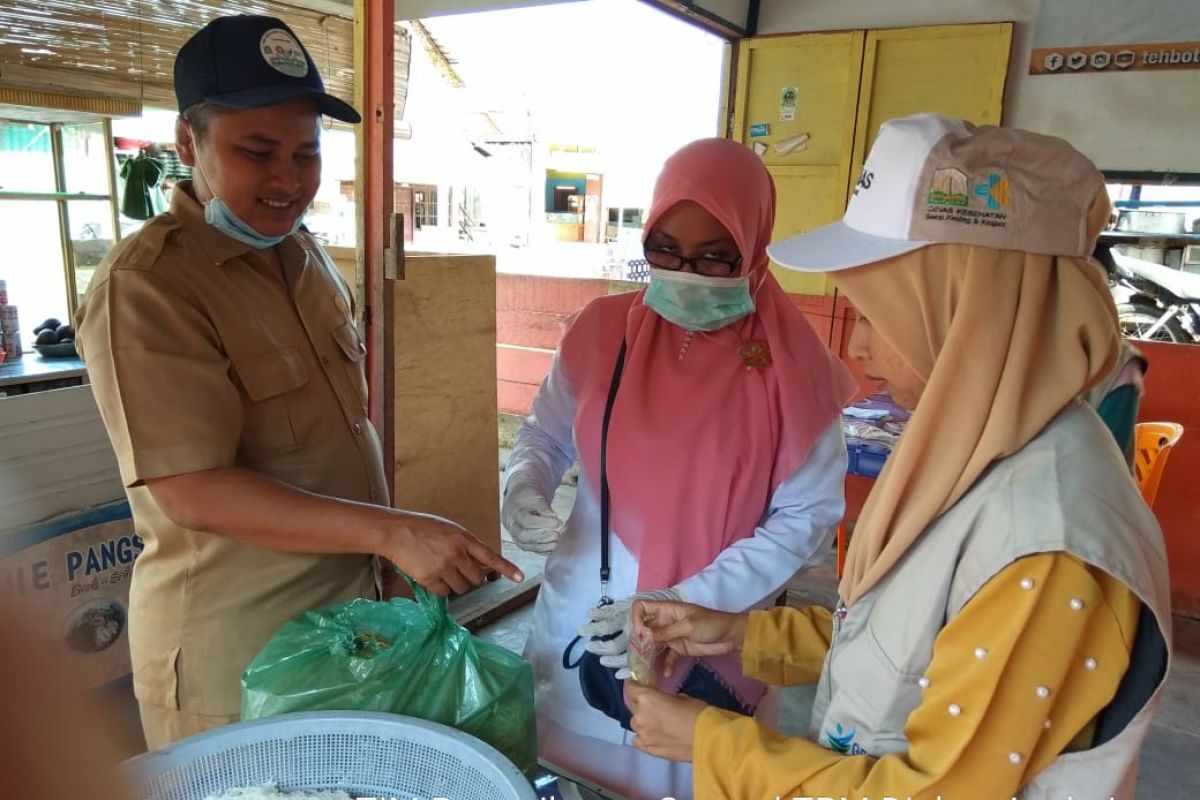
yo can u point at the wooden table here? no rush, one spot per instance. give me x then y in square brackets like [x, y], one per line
[33, 373]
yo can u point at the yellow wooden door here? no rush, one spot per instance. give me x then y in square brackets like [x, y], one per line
[810, 181]
[846, 85]
[957, 70]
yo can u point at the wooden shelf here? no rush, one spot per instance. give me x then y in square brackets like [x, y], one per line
[1134, 237]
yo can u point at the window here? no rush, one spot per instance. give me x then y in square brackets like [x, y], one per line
[562, 197]
[425, 206]
[57, 215]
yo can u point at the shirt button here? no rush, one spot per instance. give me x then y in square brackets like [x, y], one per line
[328, 364]
[358, 429]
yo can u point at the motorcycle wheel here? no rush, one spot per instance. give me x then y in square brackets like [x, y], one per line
[1136, 318]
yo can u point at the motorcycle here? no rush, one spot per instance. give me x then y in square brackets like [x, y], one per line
[1154, 302]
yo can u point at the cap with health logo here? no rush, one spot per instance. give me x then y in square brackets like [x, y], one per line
[930, 179]
[249, 61]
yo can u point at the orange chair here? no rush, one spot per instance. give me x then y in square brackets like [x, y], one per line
[1152, 444]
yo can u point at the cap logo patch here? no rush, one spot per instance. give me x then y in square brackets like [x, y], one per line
[995, 191]
[283, 52]
[954, 197]
[864, 181]
[949, 188]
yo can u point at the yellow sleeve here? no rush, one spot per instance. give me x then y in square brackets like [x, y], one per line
[1027, 664]
[787, 646]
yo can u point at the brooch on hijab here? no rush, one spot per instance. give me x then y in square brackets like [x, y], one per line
[755, 353]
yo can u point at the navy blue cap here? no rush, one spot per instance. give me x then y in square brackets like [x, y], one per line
[249, 61]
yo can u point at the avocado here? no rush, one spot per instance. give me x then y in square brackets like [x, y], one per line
[51, 324]
[47, 336]
[66, 333]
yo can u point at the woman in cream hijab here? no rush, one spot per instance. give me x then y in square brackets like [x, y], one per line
[1004, 618]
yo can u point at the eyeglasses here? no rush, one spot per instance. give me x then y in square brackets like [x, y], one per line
[710, 267]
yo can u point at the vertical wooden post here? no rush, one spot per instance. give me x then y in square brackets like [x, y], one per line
[374, 61]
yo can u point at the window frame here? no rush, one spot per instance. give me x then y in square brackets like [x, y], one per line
[63, 198]
[425, 210]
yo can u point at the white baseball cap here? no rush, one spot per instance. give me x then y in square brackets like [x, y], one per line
[931, 179]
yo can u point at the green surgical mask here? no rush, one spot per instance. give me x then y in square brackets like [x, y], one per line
[698, 302]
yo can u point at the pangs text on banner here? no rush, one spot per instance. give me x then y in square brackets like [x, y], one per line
[70, 579]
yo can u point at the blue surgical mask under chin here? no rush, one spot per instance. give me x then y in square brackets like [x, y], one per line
[698, 302]
[218, 214]
[221, 217]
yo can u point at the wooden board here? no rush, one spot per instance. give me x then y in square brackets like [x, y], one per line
[493, 601]
[441, 390]
[55, 457]
[346, 261]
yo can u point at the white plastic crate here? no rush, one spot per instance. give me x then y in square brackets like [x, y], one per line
[365, 754]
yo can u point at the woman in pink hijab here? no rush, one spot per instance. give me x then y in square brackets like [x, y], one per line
[706, 417]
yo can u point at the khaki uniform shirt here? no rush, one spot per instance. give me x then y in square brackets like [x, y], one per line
[205, 353]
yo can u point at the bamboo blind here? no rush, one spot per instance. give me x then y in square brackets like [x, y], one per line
[123, 51]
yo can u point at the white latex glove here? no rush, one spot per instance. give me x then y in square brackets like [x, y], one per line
[527, 515]
[616, 620]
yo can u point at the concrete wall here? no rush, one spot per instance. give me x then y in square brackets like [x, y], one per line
[1126, 121]
[531, 314]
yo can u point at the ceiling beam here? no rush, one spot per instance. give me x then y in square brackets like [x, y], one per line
[437, 55]
[336, 8]
[690, 12]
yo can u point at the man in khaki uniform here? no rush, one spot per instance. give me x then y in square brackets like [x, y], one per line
[222, 348]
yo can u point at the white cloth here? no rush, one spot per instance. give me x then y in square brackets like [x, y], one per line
[795, 532]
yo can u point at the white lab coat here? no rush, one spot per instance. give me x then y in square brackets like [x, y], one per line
[794, 533]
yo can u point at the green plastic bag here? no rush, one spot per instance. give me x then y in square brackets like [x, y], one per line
[402, 657]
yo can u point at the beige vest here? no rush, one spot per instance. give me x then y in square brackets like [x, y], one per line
[884, 643]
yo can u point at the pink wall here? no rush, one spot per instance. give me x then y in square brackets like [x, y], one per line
[531, 313]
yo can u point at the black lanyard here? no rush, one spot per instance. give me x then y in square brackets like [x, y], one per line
[605, 569]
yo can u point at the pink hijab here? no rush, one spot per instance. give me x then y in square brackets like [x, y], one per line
[697, 445]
